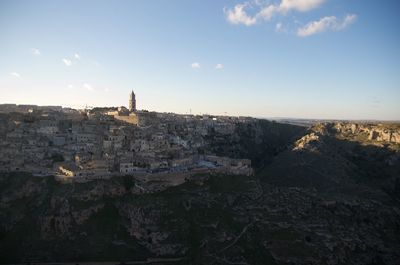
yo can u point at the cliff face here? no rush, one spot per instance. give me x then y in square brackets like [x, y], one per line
[374, 132]
[328, 195]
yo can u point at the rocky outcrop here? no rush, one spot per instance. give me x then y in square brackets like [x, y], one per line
[54, 226]
[58, 221]
[81, 216]
[384, 135]
[306, 141]
[375, 132]
[61, 218]
[144, 227]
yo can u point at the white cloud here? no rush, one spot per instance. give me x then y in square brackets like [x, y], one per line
[67, 62]
[106, 90]
[219, 66]
[35, 51]
[299, 5]
[267, 12]
[195, 65]
[324, 24]
[238, 15]
[15, 75]
[77, 56]
[70, 86]
[88, 87]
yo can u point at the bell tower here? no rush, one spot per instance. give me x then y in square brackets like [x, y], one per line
[132, 102]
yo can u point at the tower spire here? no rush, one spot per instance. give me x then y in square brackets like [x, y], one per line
[132, 102]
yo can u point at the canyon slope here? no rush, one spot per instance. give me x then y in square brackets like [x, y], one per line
[328, 194]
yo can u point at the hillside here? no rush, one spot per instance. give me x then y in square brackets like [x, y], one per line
[322, 196]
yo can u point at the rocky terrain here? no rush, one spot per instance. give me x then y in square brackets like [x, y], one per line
[328, 195]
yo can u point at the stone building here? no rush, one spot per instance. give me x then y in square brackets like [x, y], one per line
[124, 114]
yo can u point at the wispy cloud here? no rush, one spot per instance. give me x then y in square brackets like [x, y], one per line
[254, 11]
[238, 15]
[67, 62]
[35, 51]
[219, 66]
[88, 87]
[15, 75]
[299, 5]
[70, 86]
[265, 10]
[331, 23]
[77, 56]
[195, 65]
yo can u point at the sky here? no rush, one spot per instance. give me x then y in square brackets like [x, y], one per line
[326, 59]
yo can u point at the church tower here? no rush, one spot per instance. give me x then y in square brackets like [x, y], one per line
[132, 102]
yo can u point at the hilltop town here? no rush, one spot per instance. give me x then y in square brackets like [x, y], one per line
[82, 145]
[158, 149]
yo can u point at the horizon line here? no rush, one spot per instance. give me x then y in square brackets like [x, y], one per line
[225, 115]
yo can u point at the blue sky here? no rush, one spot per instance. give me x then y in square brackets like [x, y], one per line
[278, 58]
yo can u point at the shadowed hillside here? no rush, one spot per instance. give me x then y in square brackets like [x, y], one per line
[317, 198]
